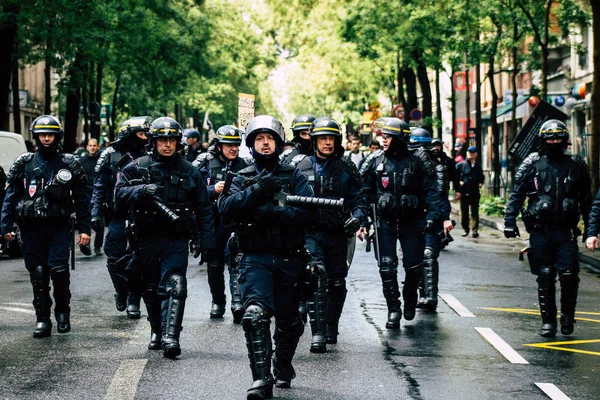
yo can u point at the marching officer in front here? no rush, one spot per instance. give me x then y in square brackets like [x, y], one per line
[130, 145]
[213, 166]
[557, 187]
[420, 141]
[271, 239]
[42, 190]
[332, 176]
[169, 202]
[402, 186]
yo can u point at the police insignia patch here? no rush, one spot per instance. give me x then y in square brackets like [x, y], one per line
[385, 181]
[32, 190]
[46, 121]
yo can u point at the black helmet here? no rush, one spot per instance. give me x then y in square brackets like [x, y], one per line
[553, 129]
[437, 142]
[391, 126]
[133, 125]
[302, 123]
[419, 137]
[325, 126]
[47, 124]
[264, 124]
[166, 127]
[191, 133]
[229, 134]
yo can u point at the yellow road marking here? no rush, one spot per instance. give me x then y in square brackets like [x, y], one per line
[557, 346]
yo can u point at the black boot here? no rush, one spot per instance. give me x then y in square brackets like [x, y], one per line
[153, 307]
[430, 280]
[237, 306]
[256, 324]
[317, 312]
[41, 301]
[133, 307]
[389, 278]
[336, 296]
[177, 291]
[216, 282]
[120, 286]
[62, 297]
[569, 285]
[287, 334]
[409, 290]
[547, 299]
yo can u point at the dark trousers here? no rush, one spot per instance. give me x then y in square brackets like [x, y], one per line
[46, 243]
[472, 203]
[99, 239]
[115, 248]
[412, 241]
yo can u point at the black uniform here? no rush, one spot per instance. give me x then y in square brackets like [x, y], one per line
[404, 189]
[88, 162]
[162, 248]
[558, 192]
[39, 198]
[213, 168]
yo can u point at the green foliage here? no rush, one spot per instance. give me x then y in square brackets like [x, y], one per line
[492, 206]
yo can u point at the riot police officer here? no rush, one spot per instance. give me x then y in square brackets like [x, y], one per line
[331, 176]
[420, 140]
[39, 198]
[213, 166]
[170, 206]
[557, 187]
[407, 202]
[130, 145]
[271, 239]
[302, 142]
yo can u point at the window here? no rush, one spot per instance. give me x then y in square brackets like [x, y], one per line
[460, 80]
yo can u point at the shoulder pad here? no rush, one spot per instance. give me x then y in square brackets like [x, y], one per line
[75, 167]
[285, 168]
[285, 153]
[525, 165]
[247, 160]
[298, 159]
[426, 160]
[351, 169]
[201, 158]
[103, 159]
[369, 160]
[16, 171]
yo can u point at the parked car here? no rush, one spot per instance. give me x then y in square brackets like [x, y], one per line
[11, 147]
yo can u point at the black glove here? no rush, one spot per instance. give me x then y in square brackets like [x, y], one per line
[152, 192]
[511, 231]
[386, 204]
[195, 248]
[97, 223]
[351, 226]
[267, 184]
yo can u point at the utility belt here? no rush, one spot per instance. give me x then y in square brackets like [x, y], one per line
[261, 238]
[42, 208]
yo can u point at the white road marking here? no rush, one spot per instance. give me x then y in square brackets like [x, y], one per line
[552, 391]
[456, 306]
[19, 304]
[508, 352]
[15, 309]
[126, 379]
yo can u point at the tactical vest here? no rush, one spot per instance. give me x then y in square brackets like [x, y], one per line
[441, 175]
[265, 236]
[149, 215]
[330, 186]
[554, 204]
[42, 199]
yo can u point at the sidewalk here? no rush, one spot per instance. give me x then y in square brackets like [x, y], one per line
[592, 260]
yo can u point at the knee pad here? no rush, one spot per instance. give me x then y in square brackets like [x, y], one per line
[177, 286]
[568, 277]
[253, 315]
[293, 327]
[337, 288]
[414, 270]
[546, 275]
[389, 266]
[429, 254]
[38, 273]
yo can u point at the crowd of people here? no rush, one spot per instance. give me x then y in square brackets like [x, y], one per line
[284, 223]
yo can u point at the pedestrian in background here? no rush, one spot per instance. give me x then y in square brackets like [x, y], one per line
[88, 161]
[470, 181]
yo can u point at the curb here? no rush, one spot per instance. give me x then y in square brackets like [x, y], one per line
[590, 262]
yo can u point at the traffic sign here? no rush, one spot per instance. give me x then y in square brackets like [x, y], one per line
[415, 114]
[398, 111]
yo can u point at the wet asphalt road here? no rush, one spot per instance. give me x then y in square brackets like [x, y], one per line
[436, 356]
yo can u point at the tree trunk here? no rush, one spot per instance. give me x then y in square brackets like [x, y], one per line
[595, 103]
[73, 99]
[468, 103]
[47, 87]
[513, 122]
[411, 92]
[453, 108]
[478, 133]
[86, 115]
[8, 31]
[545, 51]
[438, 103]
[426, 91]
[400, 76]
[16, 108]
[495, 131]
[113, 117]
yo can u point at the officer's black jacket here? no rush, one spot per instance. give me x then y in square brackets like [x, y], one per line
[106, 178]
[422, 183]
[88, 163]
[443, 176]
[20, 183]
[548, 186]
[213, 169]
[241, 199]
[131, 182]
